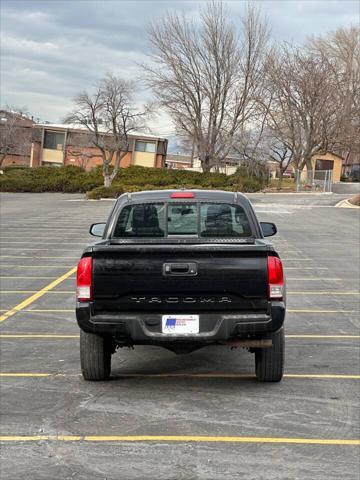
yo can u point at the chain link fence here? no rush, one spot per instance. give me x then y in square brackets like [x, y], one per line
[313, 181]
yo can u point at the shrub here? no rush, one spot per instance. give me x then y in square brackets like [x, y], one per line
[68, 179]
[161, 177]
[250, 185]
[245, 184]
[8, 168]
[105, 192]
[71, 179]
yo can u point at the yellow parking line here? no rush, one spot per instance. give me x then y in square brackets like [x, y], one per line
[33, 266]
[353, 337]
[44, 243]
[23, 278]
[323, 376]
[10, 292]
[297, 259]
[178, 439]
[333, 292]
[190, 375]
[18, 291]
[37, 335]
[49, 310]
[312, 310]
[38, 249]
[3, 374]
[306, 268]
[311, 279]
[11, 229]
[8, 238]
[238, 375]
[25, 303]
[289, 310]
[60, 336]
[50, 228]
[296, 252]
[39, 256]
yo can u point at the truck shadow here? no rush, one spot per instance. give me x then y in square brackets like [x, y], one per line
[215, 362]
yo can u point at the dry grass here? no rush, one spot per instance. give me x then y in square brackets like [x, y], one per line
[288, 185]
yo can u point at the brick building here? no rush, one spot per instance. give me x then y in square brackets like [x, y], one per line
[178, 161]
[64, 145]
[186, 162]
[15, 138]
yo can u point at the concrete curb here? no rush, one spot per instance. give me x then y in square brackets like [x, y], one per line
[293, 193]
[346, 204]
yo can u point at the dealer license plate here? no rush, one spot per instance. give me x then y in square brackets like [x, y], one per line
[179, 324]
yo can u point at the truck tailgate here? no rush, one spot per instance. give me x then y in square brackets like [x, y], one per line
[133, 278]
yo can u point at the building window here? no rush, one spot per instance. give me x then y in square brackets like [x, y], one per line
[51, 164]
[321, 169]
[54, 140]
[141, 146]
[324, 164]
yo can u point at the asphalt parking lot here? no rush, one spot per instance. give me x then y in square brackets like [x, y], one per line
[162, 416]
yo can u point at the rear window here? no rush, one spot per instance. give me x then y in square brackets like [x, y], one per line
[141, 220]
[223, 220]
[182, 219]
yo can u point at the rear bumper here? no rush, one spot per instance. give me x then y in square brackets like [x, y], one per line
[145, 328]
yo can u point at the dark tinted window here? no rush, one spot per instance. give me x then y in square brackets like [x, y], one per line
[223, 220]
[324, 164]
[216, 220]
[142, 220]
[144, 146]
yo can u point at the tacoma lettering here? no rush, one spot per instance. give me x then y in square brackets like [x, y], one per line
[159, 300]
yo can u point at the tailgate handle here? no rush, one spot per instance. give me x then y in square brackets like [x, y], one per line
[180, 268]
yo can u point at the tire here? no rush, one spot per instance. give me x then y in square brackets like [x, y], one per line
[269, 362]
[95, 356]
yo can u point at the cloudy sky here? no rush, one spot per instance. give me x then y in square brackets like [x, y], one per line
[53, 49]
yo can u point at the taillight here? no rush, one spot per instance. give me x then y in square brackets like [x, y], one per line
[84, 280]
[275, 278]
[182, 195]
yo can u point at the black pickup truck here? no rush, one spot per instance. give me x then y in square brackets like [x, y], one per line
[182, 270]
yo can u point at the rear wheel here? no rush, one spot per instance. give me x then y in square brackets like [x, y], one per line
[95, 356]
[269, 362]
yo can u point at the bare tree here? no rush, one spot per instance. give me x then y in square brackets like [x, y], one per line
[282, 154]
[260, 144]
[248, 148]
[15, 133]
[342, 49]
[306, 110]
[109, 116]
[250, 144]
[82, 157]
[78, 146]
[207, 78]
[315, 96]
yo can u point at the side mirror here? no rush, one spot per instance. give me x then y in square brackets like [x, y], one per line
[97, 229]
[269, 229]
